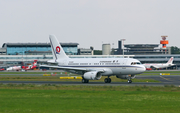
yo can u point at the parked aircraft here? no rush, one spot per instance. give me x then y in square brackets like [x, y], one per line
[30, 67]
[94, 68]
[160, 65]
[18, 68]
[14, 68]
[2, 69]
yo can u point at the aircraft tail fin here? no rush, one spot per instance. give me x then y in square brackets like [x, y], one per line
[170, 60]
[57, 50]
[35, 63]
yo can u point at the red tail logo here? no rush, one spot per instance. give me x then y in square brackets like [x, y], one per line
[58, 50]
[170, 60]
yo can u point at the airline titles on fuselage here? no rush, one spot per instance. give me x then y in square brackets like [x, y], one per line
[99, 63]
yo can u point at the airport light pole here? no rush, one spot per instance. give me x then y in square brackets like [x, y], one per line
[123, 45]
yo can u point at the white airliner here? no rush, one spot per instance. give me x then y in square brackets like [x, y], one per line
[94, 68]
[18, 68]
[15, 68]
[160, 65]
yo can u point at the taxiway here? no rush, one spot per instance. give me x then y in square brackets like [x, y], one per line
[164, 80]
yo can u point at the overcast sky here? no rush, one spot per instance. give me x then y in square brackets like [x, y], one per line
[90, 22]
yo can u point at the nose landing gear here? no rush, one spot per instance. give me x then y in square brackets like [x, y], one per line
[85, 81]
[129, 81]
[130, 77]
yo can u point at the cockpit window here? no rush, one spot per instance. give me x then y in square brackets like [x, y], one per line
[135, 63]
[138, 63]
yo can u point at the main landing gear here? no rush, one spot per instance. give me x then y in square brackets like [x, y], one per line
[107, 80]
[85, 81]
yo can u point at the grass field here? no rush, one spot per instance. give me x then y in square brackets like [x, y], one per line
[48, 98]
[88, 99]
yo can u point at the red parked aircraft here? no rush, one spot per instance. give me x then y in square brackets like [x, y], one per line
[2, 69]
[30, 67]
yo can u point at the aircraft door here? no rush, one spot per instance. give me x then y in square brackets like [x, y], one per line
[124, 64]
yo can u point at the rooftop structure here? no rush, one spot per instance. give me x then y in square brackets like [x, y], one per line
[164, 41]
[106, 49]
[83, 51]
[140, 49]
[37, 44]
[150, 46]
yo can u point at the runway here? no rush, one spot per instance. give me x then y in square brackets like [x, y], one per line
[164, 80]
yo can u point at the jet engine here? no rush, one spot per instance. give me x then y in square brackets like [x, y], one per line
[93, 75]
[126, 76]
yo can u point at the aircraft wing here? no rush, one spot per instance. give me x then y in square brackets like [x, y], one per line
[72, 68]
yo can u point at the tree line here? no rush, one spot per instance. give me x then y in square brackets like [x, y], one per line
[175, 50]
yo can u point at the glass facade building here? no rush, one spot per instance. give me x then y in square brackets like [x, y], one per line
[24, 50]
[37, 48]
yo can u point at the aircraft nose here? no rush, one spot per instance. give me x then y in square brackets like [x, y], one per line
[143, 68]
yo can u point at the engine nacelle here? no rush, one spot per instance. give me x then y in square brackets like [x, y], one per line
[93, 75]
[126, 76]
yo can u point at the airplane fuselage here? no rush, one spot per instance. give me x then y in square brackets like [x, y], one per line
[15, 68]
[158, 65]
[110, 66]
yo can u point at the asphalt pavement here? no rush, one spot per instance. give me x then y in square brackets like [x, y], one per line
[164, 80]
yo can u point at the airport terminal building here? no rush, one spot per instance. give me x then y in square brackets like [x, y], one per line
[36, 48]
[140, 49]
[16, 53]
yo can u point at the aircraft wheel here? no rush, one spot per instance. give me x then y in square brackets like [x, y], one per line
[109, 80]
[129, 81]
[85, 81]
[106, 80]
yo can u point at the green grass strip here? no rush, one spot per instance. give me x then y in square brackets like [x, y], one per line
[90, 99]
